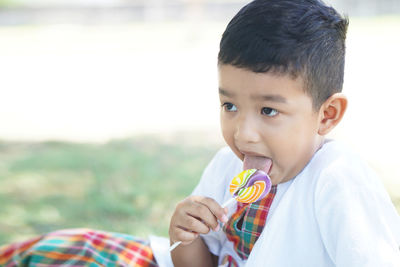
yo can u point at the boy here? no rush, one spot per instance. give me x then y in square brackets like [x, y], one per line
[280, 69]
[281, 65]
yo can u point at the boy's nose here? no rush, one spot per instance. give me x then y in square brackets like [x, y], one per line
[246, 131]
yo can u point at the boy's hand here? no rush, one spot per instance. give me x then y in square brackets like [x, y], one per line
[193, 216]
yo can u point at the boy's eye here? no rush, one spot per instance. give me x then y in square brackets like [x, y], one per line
[229, 107]
[270, 112]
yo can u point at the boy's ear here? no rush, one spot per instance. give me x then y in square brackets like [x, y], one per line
[331, 112]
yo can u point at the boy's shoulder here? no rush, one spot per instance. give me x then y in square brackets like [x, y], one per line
[337, 157]
[337, 167]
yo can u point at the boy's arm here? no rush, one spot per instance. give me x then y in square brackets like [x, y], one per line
[194, 255]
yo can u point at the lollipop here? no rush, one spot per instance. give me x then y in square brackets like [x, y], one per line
[247, 187]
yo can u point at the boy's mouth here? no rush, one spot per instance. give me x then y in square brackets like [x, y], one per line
[257, 162]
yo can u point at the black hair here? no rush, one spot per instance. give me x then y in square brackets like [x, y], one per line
[296, 37]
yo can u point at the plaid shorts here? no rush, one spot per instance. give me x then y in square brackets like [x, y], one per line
[79, 247]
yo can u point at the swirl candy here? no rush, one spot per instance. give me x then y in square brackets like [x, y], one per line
[250, 186]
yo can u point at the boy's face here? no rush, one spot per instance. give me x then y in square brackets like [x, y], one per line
[268, 115]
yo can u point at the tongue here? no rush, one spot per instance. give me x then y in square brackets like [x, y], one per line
[255, 162]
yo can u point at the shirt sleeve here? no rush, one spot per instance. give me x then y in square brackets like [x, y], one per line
[359, 224]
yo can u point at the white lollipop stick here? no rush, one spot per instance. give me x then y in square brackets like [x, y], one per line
[174, 245]
[229, 202]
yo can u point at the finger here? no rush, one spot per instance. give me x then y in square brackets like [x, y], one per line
[203, 214]
[202, 208]
[214, 207]
[185, 236]
[195, 224]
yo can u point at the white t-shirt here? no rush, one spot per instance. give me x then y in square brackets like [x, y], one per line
[335, 212]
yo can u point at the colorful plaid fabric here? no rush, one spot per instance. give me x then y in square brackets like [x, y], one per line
[246, 224]
[79, 247]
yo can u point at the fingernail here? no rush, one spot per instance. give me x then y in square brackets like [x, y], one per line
[224, 218]
[216, 229]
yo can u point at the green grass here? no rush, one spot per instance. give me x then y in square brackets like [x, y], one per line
[128, 186]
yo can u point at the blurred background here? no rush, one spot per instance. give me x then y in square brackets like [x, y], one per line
[109, 108]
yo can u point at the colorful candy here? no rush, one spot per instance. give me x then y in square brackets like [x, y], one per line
[250, 186]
